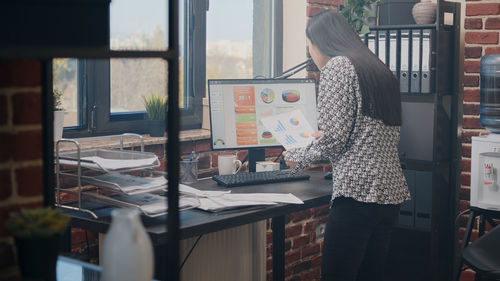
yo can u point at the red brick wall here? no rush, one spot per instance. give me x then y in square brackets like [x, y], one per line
[21, 179]
[482, 26]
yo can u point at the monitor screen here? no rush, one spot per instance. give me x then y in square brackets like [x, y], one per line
[236, 107]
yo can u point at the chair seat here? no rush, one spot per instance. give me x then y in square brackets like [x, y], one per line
[483, 255]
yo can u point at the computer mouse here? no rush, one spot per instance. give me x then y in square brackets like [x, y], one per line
[328, 176]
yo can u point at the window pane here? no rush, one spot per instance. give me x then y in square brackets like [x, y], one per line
[132, 79]
[229, 39]
[65, 81]
[138, 25]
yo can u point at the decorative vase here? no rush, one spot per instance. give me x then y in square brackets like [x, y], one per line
[37, 257]
[127, 251]
[424, 12]
[58, 124]
[157, 128]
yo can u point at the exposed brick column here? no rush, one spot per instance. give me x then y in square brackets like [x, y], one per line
[21, 179]
[482, 26]
[315, 7]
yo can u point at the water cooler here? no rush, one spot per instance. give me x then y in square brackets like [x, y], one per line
[485, 162]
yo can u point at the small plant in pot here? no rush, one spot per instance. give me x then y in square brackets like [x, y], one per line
[156, 108]
[58, 115]
[37, 233]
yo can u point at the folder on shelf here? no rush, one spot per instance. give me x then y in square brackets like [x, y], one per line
[416, 76]
[403, 75]
[418, 82]
[391, 62]
[426, 60]
[392, 53]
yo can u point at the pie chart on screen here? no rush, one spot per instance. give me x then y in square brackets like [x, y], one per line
[294, 121]
[267, 95]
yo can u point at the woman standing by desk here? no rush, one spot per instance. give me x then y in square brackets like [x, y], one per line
[359, 117]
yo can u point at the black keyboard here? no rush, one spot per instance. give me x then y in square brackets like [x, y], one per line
[243, 179]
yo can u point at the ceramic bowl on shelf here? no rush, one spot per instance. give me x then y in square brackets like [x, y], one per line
[424, 12]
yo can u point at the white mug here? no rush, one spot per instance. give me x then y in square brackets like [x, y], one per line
[228, 164]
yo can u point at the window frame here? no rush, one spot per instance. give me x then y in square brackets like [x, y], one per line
[93, 78]
[94, 114]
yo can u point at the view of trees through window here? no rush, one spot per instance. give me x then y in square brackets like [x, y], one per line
[229, 39]
[229, 31]
[64, 74]
[130, 79]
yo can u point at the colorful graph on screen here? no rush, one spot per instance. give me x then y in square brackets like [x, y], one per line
[290, 140]
[280, 127]
[294, 121]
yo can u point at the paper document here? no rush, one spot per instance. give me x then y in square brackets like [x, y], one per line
[128, 183]
[191, 191]
[291, 129]
[215, 200]
[227, 201]
[98, 163]
[115, 164]
[152, 204]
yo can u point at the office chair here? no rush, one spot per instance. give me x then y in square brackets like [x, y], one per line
[483, 255]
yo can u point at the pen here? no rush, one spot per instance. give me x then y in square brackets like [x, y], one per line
[187, 164]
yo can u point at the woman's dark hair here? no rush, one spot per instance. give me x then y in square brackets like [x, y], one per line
[330, 32]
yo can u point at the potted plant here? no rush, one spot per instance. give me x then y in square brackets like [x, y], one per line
[37, 233]
[58, 115]
[360, 14]
[156, 108]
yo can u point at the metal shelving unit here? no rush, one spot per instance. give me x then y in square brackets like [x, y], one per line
[95, 166]
[425, 60]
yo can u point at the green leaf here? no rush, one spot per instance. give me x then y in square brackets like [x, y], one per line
[57, 99]
[40, 223]
[364, 30]
[156, 106]
[355, 14]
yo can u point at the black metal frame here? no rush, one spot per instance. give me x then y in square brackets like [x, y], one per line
[171, 56]
[94, 86]
[484, 215]
[173, 120]
[446, 97]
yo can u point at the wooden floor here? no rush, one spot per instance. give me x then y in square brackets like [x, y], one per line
[409, 256]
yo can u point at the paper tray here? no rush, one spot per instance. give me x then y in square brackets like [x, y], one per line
[123, 183]
[110, 160]
[150, 205]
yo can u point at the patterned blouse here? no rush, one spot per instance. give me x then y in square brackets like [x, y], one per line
[363, 151]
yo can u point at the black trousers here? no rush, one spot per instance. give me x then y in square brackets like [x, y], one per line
[357, 239]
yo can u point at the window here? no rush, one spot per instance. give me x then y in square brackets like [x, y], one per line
[242, 38]
[218, 39]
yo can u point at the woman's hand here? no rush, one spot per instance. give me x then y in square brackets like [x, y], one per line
[317, 134]
[289, 163]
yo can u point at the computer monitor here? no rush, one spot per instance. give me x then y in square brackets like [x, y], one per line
[237, 105]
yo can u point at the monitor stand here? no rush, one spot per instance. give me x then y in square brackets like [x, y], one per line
[255, 155]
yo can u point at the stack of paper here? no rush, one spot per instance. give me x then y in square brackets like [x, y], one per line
[127, 183]
[118, 164]
[221, 200]
[151, 204]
